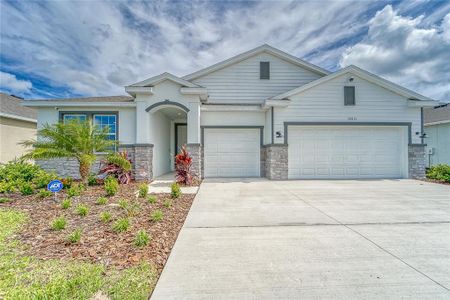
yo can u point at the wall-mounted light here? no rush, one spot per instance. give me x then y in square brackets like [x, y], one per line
[350, 79]
[279, 134]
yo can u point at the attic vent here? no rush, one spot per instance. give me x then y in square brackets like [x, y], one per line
[264, 70]
[349, 95]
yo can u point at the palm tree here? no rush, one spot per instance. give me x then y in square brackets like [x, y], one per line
[76, 139]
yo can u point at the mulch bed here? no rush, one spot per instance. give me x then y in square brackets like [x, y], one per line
[99, 243]
[436, 181]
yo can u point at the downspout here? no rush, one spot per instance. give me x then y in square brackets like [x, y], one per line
[271, 120]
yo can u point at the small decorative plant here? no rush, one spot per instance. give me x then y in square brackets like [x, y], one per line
[111, 186]
[167, 203]
[59, 223]
[102, 200]
[142, 239]
[82, 210]
[74, 237]
[105, 216]
[156, 216]
[151, 199]
[66, 203]
[183, 163]
[143, 190]
[4, 200]
[43, 193]
[121, 225]
[123, 203]
[26, 189]
[175, 190]
[117, 165]
[74, 190]
[92, 180]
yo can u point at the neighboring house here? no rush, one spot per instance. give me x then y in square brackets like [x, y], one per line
[17, 124]
[437, 129]
[261, 113]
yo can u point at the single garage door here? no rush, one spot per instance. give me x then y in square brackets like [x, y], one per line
[340, 152]
[231, 152]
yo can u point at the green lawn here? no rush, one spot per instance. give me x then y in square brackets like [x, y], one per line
[25, 277]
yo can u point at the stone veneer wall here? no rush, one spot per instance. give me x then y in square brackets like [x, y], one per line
[416, 160]
[276, 161]
[141, 156]
[197, 158]
[262, 158]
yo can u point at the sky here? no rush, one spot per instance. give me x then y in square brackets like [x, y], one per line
[61, 49]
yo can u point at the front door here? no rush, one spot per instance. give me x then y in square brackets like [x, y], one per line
[180, 136]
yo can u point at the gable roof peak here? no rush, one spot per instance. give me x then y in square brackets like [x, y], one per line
[161, 77]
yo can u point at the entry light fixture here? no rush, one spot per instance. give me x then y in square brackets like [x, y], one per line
[279, 134]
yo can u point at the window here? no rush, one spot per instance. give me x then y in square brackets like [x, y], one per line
[264, 70]
[74, 117]
[349, 95]
[109, 121]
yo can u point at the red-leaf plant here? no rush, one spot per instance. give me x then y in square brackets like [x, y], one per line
[183, 163]
[117, 165]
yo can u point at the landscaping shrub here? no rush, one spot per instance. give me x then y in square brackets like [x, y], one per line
[59, 223]
[151, 199]
[74, 237]
[26, 189]
[43, 193]
[143, 190]
[111, 186]
[4, 200]
[75, 190]
[105, 216]
[66, 203]
[183, 163]
[82, 210]
[133, 209]
[117, 165]
[439, 172]
[123, 203]
[92, 180]
[175, 190]
[156, 216]
[67, 182]
[102, 200]
[121, 225]
[142, 238]
[167, 203]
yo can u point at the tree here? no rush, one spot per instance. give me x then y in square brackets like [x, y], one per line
[76, 139]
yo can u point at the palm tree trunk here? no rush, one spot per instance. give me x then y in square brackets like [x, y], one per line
[85, 167]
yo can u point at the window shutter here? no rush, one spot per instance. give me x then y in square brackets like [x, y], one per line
[349, 95]
[264, 70]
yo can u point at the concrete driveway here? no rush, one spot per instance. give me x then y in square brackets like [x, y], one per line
[260, 239]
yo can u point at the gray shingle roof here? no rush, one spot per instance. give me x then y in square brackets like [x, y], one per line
[10, 105]
[92, 99]
[436, 114]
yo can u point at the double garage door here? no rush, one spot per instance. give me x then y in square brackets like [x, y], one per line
[314, 152]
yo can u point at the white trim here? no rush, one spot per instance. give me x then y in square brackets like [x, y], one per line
[9, 116]
[152, 81]
[202, 92]
[436, 123]
[264, 48]
[133, 90]
[232, 108]
[54, 103]
[361, 73]
[422, 103]
[277, 103]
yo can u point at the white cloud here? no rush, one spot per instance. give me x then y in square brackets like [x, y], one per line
[9, 82]
[405, 51]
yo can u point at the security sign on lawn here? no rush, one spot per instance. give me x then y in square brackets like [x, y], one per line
[55, 186]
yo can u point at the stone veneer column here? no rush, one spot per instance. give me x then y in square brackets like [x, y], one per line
[196, 153]
[143, 162]
[416, 160]
[276, 163]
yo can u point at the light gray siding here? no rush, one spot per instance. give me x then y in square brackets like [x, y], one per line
[438, 138]
[241, 83]
[325, 103]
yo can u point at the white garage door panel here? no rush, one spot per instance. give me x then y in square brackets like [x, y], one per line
[231, 152]
[347, 152]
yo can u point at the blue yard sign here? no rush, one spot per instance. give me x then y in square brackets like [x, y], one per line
[55, 186]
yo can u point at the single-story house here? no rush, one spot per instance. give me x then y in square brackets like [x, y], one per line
[262, 113]
[437, 129]
[17, 124]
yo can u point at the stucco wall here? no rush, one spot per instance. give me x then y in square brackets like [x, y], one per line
[161, 125]
[13, 132]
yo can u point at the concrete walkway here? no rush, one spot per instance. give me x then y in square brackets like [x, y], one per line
[259, 239]
[162, 184]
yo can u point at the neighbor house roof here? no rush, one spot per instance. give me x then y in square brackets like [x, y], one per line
[437, 115]
[261, 49]
[10, 107]
[360, 73]
[106, 101]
